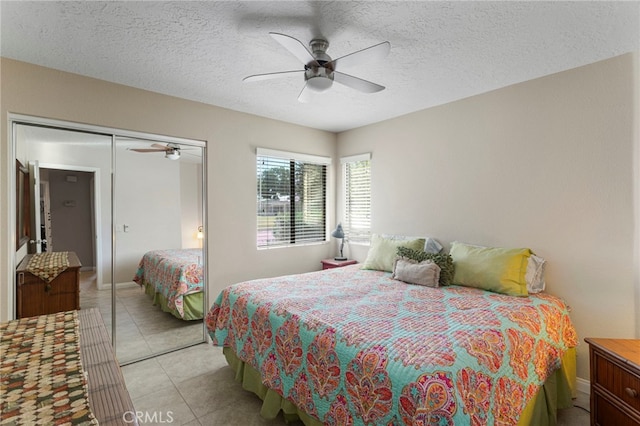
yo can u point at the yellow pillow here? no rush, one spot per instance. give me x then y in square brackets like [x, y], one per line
[500, 270]
[382, 251]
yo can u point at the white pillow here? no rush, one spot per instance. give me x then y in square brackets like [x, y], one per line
[535, 274]
[430, 244]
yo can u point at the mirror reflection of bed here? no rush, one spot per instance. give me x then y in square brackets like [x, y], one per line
[157, 204]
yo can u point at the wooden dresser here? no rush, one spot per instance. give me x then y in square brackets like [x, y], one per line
[35, 297]
[615, 381]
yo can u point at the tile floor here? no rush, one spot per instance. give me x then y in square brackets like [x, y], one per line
[141, 328]
[192, 386]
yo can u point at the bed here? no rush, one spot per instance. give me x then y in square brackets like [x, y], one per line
[174, 281]
[60, 369]
[352, 346]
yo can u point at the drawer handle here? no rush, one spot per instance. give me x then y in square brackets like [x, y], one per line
[631, 392]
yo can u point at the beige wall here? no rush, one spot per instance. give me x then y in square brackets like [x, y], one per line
[548, 164]
[231, 141]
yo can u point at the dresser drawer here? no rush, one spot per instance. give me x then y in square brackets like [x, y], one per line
[606, 414]
[622, 383]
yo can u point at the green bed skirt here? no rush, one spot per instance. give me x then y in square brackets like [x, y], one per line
[192, 303]
[557, 393]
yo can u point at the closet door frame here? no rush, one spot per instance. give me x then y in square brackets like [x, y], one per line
[114, 133]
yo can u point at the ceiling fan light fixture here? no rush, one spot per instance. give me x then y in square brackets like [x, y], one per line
[173, 154]
[319, 84]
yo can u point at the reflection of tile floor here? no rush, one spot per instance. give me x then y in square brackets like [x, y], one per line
[141, 328]
[194, 386]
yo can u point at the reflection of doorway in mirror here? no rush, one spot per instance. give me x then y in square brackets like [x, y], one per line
[68, 194]
[45, 216]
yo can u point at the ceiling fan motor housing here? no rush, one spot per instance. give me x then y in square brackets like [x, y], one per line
[172, 153]
[319, 78]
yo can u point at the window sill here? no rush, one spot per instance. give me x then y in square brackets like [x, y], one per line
[358, 243]
[318, 243]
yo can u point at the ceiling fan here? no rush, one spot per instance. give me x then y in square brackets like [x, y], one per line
[171, 151]
[320, 71]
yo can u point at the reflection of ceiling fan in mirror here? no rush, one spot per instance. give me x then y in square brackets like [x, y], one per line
[171, 150]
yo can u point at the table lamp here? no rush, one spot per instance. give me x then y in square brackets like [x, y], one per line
[339, 233]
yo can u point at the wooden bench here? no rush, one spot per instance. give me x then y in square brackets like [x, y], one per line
[108, 396]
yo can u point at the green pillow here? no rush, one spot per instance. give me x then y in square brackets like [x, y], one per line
[443, 260]
[500, 270]
[382, 251]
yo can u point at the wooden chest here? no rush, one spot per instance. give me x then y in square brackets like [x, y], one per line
[615, 381]
[35, 297]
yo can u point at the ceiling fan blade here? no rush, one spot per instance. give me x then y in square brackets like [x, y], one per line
[356, 83]
[271, 75]
[305, 95]
[146, 149]
[296, 47]
[160, 147]
[372, 53]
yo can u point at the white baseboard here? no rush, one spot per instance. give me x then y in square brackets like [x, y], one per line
[583, 385]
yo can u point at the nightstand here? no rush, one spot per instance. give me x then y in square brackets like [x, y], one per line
[615, 381]
[332, 263]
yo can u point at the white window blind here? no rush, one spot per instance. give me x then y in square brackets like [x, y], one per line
[291, 202]
[357, 192]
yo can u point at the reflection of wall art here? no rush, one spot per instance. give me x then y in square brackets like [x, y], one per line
[23, 207]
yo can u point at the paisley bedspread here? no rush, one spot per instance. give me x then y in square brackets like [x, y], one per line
[351, 346]
[174, 273]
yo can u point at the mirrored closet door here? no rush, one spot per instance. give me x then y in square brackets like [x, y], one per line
[131, 207]
[159, 259]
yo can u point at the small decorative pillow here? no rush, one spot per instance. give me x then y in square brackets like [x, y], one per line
[382, 252]
[425, 273]
[443, 260]
[535, 274]
[500, 270]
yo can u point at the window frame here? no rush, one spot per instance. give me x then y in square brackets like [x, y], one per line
[296, 238]
[362, 236]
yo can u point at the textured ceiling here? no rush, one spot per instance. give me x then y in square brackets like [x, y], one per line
[440, 51]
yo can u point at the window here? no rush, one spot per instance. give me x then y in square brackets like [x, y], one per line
[357, 203]
[292, 198]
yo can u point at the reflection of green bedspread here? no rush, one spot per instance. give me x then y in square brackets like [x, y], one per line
[192, 304]
[357, 347]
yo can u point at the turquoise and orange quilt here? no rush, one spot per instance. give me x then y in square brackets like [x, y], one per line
[173, 273]
[355, 347]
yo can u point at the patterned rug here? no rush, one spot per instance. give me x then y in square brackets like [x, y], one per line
[41, 376]
[48, 266]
